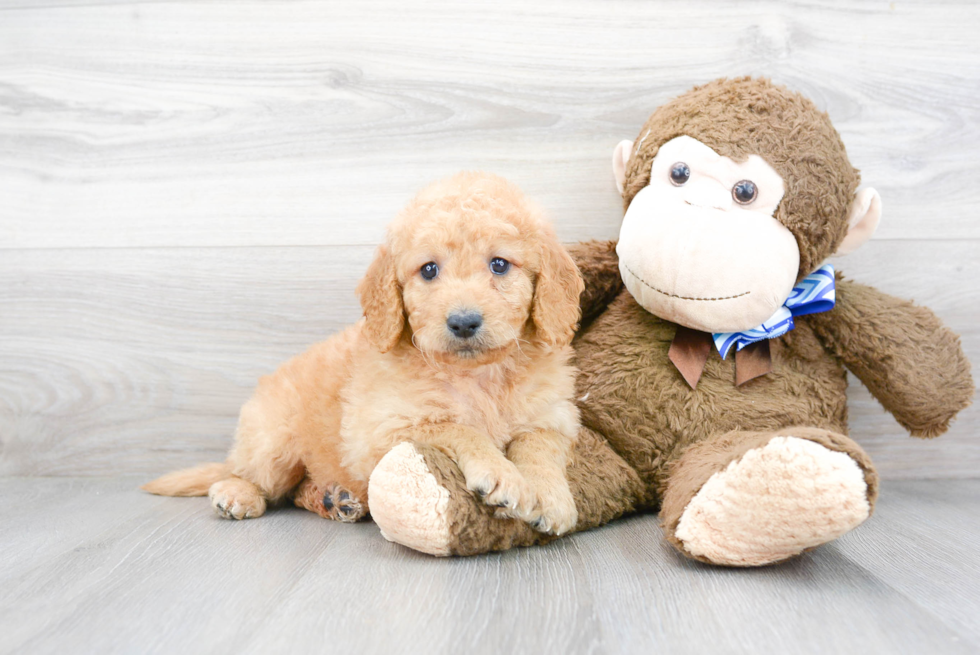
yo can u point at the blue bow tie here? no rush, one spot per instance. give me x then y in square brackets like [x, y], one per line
[814, 294]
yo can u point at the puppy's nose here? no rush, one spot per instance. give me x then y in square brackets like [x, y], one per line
[464, 324]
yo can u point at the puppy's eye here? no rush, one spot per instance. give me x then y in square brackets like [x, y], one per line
[680, 173]
[499, 265]
[429, 271]
[744, 192]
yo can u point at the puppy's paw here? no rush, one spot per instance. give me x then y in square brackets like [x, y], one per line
[342, 505]
[555, 511]
[500, 484]
[236, 499]
[331, 501]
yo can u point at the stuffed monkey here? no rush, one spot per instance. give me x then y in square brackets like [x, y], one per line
[713, 348]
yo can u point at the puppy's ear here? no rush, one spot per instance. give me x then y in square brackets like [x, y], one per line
[555, 310]
[381, 300]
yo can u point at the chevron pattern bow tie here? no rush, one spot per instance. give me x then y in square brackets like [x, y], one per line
[814, 294]
[690, 348]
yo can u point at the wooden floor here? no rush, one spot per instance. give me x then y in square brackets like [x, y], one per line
[94, 566]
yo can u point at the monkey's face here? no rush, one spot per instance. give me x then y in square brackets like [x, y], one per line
[700, 245]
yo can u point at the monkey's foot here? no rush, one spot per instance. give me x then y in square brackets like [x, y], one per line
[771, 502]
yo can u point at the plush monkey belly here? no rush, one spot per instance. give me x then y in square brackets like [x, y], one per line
[743, 475]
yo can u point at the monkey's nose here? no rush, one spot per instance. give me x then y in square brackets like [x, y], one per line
[464, 324]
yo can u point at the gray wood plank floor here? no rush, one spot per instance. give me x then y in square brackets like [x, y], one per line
[92, 565]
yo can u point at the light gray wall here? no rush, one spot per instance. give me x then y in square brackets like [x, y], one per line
[189, 190]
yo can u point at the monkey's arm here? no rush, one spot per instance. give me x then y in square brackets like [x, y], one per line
[599, 265]
[902, 352]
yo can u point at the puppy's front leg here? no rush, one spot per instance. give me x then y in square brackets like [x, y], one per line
[541, 456]
[487, 471]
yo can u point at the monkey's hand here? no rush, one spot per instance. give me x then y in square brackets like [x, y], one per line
[599, 265]
[909, 361]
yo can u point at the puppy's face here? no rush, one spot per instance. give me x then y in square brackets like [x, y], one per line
[473, 268]
[467, 285]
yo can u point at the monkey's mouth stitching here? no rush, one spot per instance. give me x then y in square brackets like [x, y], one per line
[647, 284]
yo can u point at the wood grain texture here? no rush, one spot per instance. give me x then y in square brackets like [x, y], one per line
[92, 565]
[311, 122]
[189, 190]
[138, 360]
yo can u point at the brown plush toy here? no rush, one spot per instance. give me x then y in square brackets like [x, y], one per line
[736, 192]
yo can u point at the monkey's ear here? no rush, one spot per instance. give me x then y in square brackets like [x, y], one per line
[621, 157]
[381, 300]
[862, 220]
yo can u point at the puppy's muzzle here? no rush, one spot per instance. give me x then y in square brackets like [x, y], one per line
[464, 325]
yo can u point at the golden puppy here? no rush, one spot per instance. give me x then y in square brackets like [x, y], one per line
[469, 309]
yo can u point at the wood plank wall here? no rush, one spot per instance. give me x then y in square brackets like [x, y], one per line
[189, 190]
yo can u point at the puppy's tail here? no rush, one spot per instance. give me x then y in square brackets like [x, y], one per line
[189, 482]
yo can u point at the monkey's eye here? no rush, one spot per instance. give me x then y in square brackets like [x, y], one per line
[744, 192]
[499, 265]
[680, 173]
[429, 271]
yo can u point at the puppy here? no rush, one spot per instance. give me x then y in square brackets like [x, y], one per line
[469, 309]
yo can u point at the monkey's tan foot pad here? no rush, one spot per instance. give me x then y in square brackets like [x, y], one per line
[408, 503]
[332, 502]
[773, 503]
